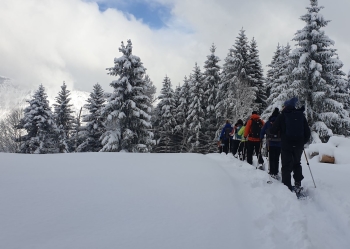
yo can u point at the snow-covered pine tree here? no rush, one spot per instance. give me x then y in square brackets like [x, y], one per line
[270, 73]
[150, 90]
[314, 80]
[256, 76]
[178, 136]
[166, 120]
[236, 95]
[211, 84]
[279, 80]
[128, 112]
[93, 128]
[38, 121]
[182, 112]
[64, 119]
[196, 114]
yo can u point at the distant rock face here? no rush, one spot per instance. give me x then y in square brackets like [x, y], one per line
[13, 96]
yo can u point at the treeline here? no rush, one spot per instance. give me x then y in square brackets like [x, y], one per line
[189, 117]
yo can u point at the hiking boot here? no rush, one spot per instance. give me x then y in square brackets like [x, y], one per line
[261, 166]
[274, 177]
[297, 184]
[297, 188]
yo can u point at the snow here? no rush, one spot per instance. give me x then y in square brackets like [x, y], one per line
[131, 201]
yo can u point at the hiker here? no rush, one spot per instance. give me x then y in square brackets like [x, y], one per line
[225, 137]
[236, 138]
[252, 131]
[242, 148]
[273, 144]
[295, 132]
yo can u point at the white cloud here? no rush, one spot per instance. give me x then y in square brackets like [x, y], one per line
[51, 41]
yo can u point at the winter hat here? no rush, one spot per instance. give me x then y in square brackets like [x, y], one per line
[239, 122]
[254, 112]
[291, 102]
[275, 112]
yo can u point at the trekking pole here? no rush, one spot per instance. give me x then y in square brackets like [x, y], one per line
[268, 158]
[259, 154]
[307, 161]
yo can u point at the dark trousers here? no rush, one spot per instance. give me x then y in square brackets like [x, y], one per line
[274, 159]
[235, 144]
[242, 150]
[227, 146]
[291, 163]
[251, 147]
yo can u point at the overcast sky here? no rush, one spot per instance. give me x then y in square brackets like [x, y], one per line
[51, 41]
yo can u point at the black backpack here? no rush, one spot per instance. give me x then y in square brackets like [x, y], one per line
[273, 137]
[294, 125]
[255, 128]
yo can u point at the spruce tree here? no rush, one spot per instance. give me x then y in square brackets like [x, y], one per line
[182, 113]
[64, 119]
[196, 114]
[211, 86]
[256, 77]
[314, 80]
[167, 121]
[94, 127]
[279, 80]
[236, 95]
[128, 111]
[178, 135]
[270, 74]
[38, 121]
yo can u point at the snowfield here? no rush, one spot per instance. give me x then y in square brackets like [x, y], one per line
[166, 201]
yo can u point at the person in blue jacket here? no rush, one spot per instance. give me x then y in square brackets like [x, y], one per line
[273, 143]
[226, 138]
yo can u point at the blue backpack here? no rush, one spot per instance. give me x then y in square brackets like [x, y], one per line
[294, 125]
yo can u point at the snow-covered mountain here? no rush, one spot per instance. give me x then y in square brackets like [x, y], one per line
[14, 96]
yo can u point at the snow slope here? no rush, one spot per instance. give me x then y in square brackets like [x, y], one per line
[172, 201]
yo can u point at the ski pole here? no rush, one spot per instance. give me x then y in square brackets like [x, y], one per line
[307, 161]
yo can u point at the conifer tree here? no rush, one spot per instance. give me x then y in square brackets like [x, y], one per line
[211, 86]
[167, 122]
[38, 121]
[64, 119]
[94, 127]
[150, 90]
[128, 112]
[196, 112]
[178, 135]
[236, 95]
[256, 77]
[279, 81]
[314, 79]
[271, 72]
[182, 113]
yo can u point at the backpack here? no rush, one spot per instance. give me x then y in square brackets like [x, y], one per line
[273, 137]
[294, 125]
[255, 128]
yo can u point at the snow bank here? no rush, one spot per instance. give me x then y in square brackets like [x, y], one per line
[172, 201]
[337, 148]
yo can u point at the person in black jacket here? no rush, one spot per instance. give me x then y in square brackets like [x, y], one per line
[295, 132]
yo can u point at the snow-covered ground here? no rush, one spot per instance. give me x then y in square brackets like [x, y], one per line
[172, 201]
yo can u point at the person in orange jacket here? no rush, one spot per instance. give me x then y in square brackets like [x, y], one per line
[252, 131]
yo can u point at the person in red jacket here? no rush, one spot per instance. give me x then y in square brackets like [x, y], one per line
[252, 131]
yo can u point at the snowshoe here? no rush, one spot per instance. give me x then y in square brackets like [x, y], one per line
[260, 166]
[299, 191]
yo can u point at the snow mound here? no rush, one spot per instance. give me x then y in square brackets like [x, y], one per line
[337, 147]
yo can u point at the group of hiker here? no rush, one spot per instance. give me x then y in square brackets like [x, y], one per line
[286, 134]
